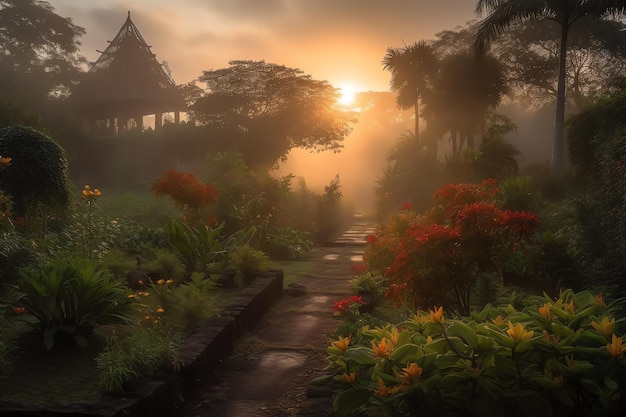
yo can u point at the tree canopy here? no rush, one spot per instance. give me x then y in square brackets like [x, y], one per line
[268, 109]
[40, 52]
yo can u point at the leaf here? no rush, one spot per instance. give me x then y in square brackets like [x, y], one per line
[465, 332]
[349, 400]
[322, 380]
[362, 356]
[406, 353]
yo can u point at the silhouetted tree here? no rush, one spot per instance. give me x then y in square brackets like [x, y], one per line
[502, 14]
[40, 56]
[464, 92]
[263, 110]
[412, 70]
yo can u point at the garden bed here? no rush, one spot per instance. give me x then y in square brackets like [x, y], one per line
[161, 394]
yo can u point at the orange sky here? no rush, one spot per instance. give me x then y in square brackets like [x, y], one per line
[341, 41]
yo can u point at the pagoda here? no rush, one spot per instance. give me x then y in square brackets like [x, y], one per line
[125, 84]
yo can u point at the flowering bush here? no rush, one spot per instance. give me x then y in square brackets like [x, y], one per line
[189, 193]
[526, 356]
[437, 258]
[348, 306]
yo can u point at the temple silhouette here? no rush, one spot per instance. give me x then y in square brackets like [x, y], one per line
[125, 84]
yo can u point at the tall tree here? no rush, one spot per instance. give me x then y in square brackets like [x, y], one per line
[464, 92]
[502, 14]
[412, 70]
[267, 109]
[40, 52]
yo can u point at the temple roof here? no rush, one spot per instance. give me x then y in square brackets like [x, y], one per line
[127, 79]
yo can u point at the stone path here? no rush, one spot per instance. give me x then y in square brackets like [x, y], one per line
[270, 371]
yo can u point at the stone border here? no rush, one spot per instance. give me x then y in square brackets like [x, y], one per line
[201, 353]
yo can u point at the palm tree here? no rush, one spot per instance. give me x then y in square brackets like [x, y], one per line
[504, 13]
[412, 69]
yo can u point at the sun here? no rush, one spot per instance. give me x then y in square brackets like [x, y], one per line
[348, 92]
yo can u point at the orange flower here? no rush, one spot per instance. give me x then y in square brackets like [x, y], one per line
[570, 307]
[342, 344]
[605, 327]
[348, 378]
[599, 300]
[498, 320]
[411, 373]
[436, 315]
[169, 281]
[381, 349]
[384, 391]
[160, 310]
[160, 282]
[616, 348]
[518, 332]
[545, 310]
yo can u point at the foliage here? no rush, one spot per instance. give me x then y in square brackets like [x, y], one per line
[198, 245]
[598, 146]
[413, 69]
[265, 109]
[526, 356]
[16, 251]
[41, 58]
[249, 199]
[167, 263]
[143, 352]
[330, 216]
[518, 193]
[248, 262]
[73, 297]
[437, 259]
[37, 175]
[502, 15]
[373, 285]
[8, 345]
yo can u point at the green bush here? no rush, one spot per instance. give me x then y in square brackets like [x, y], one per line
[248, 262]
[37, 175]
[142, 353]
[73, 297]
[527, 356]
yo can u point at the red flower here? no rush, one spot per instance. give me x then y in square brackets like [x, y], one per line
[407, 206]
[357, 268]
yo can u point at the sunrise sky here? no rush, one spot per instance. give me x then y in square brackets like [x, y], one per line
[340, 41]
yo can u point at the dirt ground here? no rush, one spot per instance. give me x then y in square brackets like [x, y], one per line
[270, 371]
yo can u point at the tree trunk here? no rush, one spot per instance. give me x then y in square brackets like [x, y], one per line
[417, 120]
[558, 146]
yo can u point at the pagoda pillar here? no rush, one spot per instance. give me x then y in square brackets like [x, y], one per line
[158, 121]
[177, 117]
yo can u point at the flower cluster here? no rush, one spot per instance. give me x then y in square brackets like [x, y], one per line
[349, 306]
[89, 195]
[435, 259]
[185, 189]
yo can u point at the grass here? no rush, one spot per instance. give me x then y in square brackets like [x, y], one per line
[295, 270]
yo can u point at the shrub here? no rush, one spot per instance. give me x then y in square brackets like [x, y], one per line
[438, 259]
[143, 352]
[248, 262]
[37, 175]
[545, 357]
[73, 297]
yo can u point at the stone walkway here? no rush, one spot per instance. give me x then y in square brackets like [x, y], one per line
[270, 371]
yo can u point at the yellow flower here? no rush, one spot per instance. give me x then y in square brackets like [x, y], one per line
[160, 282]
[97, 192]
[348, 378]
[545, 310]
[598, 300]
[429, 339]
[169, 281]
[411, 373]
[570, 307]
[160, 310]
[436, 315]
[384, 391]
[131, 295]
[518, 333]
[342, 344]
[498, 320]
[421, 318]
[616, 348]
[605, 327]
[394, 336]
[381, 349]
